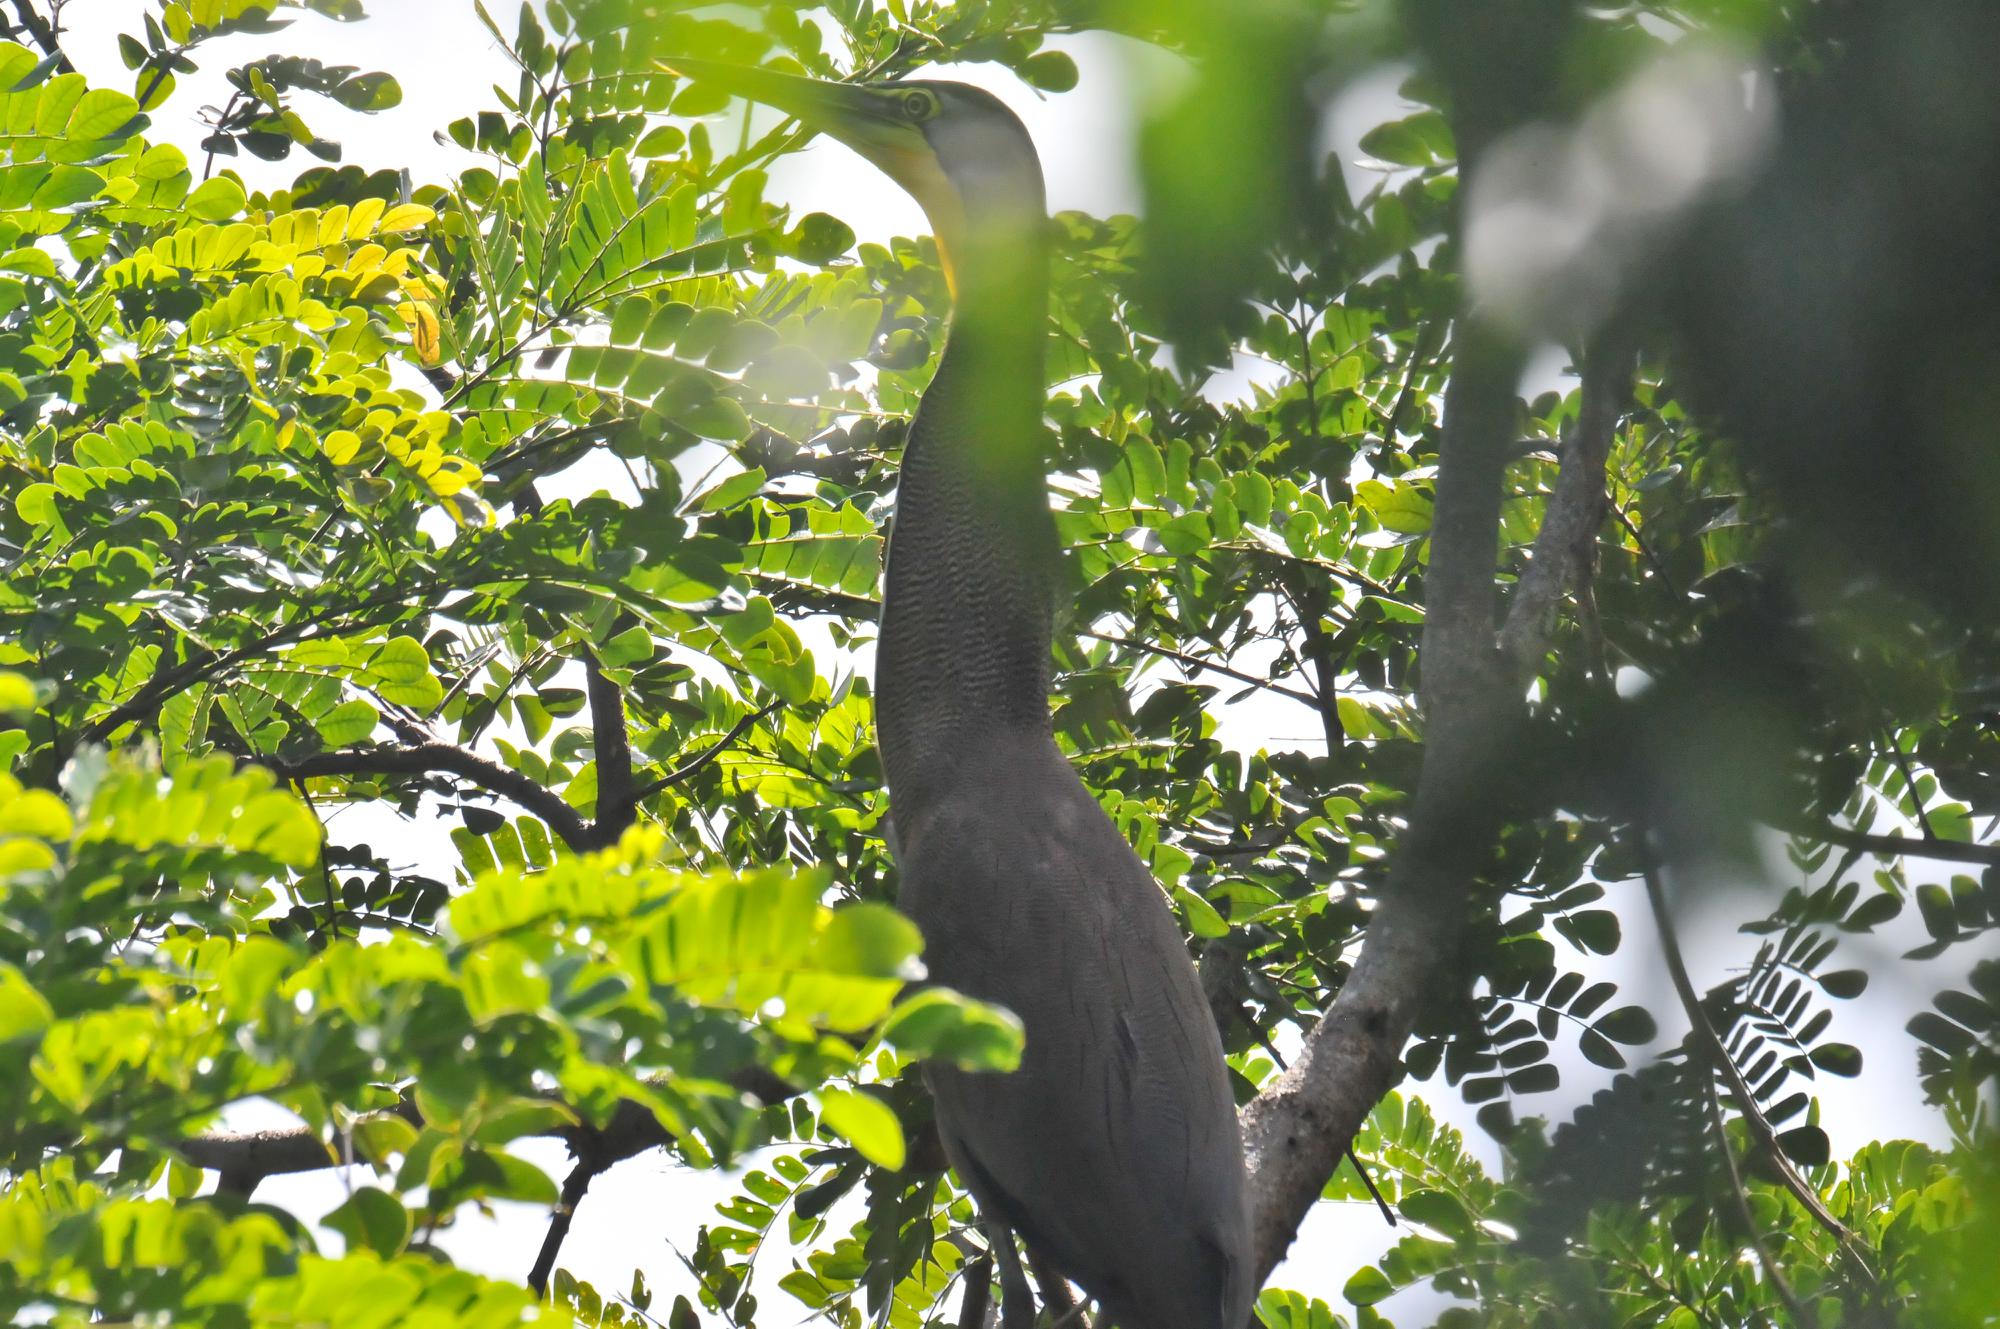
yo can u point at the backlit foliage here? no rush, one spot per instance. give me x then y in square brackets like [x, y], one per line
[547, 503]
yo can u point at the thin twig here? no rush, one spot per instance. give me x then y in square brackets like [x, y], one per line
[1256, 844]
[248, 1158]
[1374, 1192]
[1910, 784]
[1419, 357]
[1740, 1201]
[1761, 1131]
[1309, 603]
[1196, 662]
[693, 766]
[578, 1181]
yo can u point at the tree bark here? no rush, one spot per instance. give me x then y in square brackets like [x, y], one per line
[1297, 1131]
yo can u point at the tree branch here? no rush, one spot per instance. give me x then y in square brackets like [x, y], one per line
[1894, 846]
[1297, 1131]
[245, 1159]
[1196, 662]
[1056, 1296]
[586, 1171]
[1017, 1299]
[1310, 604]
[1566, 545]
[422, 758]
[44, 34]
[976, 1311]
[611, 742]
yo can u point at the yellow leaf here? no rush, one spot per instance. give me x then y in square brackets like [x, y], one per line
[426, 335]
[333, 224]
[406, 217]
[361, 221]
[341, 446]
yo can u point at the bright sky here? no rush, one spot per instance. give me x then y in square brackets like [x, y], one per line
[639, 1214]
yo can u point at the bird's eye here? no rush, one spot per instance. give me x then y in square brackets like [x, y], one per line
[919, 104]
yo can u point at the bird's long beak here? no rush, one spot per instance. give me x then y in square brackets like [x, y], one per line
[861, 117]
[866, 119]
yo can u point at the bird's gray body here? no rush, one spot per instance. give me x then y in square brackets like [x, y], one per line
[1114, 1148]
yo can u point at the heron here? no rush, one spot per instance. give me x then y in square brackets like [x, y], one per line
[1113, 1150]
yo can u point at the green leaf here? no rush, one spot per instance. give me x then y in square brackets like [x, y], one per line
[1595, 930]
[1628, 1025]
[36, 504]
[1439, 1210]
[1600, 1050]
[348, 723]
[1202, 918]
[627, 648]
[870, 940]
[1400, 508]
[1837, 1059]
[1051, 71]
[867, 1123]
[947, 1026]
[820, 239]
[1368, 1286]
[1807, 1145]
[23, 1011]
[17, 692]
[372, 1219]
[1873, 912]
[1934, 903]
[736, 489]
[216, 199]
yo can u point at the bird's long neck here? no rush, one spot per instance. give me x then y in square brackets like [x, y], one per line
[964, 652]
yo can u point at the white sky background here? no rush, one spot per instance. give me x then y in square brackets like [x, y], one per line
[637, 1213]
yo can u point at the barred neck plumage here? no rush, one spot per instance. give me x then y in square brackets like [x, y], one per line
[964, 652]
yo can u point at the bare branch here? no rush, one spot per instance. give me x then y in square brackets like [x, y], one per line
[1895, 846]
[1565, 547]
[586, 1170]
[1297, 1131]
[611, 741]
[422, 758]
[977, 1310]
[245, 1159]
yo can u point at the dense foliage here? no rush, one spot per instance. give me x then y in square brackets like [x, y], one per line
[273, 545]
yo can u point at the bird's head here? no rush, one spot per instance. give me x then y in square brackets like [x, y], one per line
[957, 150]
